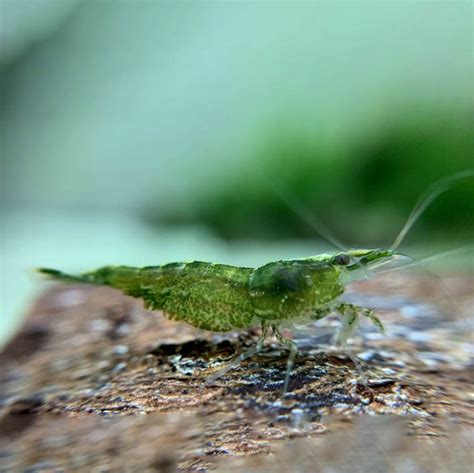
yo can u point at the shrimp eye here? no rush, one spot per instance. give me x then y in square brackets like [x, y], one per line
[342, 260]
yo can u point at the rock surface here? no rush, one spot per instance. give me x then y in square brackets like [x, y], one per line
[92, 382]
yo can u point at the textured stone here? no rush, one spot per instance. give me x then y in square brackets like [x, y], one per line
[93, 382]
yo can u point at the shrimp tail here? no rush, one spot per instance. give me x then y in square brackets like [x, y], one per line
[108, 275]
[60, 276]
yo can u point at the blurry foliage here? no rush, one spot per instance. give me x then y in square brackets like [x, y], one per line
[363, 192]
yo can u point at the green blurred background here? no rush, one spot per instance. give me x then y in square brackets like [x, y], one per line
[144, 132]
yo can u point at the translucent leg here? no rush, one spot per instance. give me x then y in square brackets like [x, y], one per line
[370, 314]
[291, 357]
[357, 310]
[237, 360]
[315, 331]
[358, 365]
[320, 314]
[349, 322]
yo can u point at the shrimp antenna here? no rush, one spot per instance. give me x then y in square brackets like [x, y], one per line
[420, 264]
[319, 227]
[433, 191]
[413, 261]
[451, 252]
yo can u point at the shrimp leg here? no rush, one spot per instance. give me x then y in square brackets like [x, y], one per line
[242, 357]
[293, 348]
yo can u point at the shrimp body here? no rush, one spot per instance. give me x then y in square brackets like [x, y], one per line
[222, 298]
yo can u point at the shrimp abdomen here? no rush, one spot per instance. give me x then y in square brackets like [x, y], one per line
[206, 295]
[210, 296]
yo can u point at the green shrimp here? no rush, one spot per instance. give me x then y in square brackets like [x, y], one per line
[222, 298]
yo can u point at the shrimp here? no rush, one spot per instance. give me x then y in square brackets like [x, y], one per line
[222, 298]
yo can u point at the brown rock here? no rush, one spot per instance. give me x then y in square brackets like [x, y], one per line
[93, 382]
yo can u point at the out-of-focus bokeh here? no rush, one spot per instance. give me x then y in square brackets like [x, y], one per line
[148, 132]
